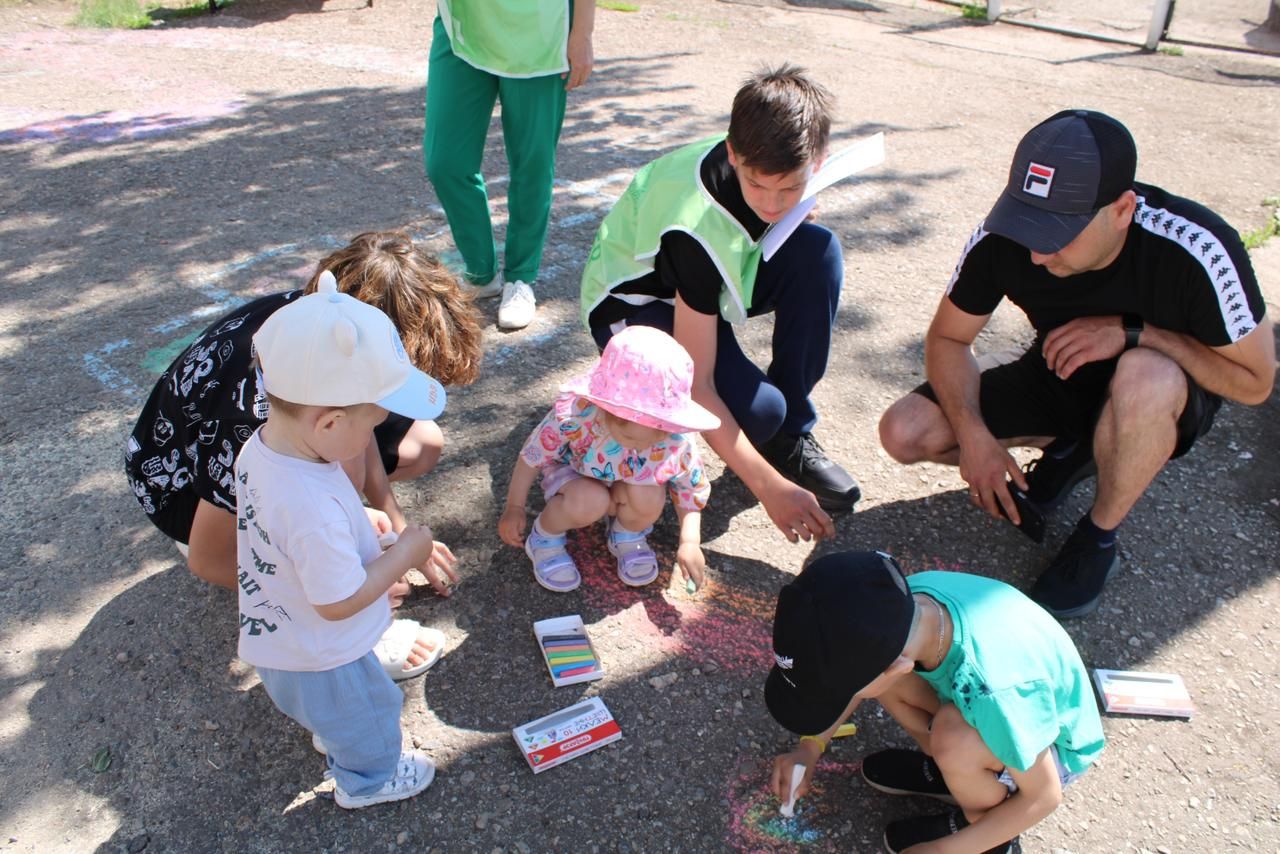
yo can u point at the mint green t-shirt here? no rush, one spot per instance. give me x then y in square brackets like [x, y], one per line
[1013, 673]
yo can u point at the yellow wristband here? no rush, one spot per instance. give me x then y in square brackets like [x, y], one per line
[822, 743]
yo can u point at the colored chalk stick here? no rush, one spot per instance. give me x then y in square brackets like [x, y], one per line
[560, 669]
[575, 637]
[566, 645]
[569, 659]
[575, 671]
[566, 650]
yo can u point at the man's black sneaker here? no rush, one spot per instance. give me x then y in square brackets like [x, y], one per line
[902, 834]
[1051, 478]
[1072, 585]
[800, 459]
[906, 772]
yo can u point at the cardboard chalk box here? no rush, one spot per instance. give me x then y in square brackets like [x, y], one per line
[563, 735]
[567, 651]
[1137, 692]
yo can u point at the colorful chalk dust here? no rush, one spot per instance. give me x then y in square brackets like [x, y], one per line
[728, 627]
[755, 825]
[118, 125]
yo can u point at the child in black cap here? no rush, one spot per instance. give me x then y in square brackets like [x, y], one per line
[987, 683]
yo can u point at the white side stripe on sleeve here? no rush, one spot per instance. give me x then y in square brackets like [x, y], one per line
[1204, 247]
[978, 234]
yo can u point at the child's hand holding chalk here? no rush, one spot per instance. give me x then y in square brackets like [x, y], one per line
[788, 809]
[789, 773]
[693, 564]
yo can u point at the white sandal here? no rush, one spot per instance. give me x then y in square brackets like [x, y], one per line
[393, 648]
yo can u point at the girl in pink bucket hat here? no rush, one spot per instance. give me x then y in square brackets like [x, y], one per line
[614, 438]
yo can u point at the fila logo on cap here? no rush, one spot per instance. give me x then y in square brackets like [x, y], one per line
[1038, 181]
[785, 662]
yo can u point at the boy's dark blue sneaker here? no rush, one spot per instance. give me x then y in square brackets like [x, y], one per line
[1051, 478]
[1072, 585]
[905, 772]
[902, 834]
[801, 460]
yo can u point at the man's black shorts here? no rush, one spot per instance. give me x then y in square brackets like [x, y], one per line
[1025, 398]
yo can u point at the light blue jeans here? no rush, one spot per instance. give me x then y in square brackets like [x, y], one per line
[355, 709]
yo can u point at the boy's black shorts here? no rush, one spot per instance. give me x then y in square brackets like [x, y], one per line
[1025, 398]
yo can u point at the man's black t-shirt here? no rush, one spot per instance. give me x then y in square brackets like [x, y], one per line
[682, 266]
[1182, 268]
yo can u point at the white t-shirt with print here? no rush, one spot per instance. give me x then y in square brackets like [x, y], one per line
[303, 539]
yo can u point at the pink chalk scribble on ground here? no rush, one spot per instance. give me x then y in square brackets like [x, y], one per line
[755, 825]
[730, 627]
[119, 125]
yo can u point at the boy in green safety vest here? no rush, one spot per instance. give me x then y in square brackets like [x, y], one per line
[681, 251]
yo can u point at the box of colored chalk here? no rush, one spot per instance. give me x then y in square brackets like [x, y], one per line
[563, 735]
[567, 650]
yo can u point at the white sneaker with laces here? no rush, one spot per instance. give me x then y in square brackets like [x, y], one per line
[414, 772]
[485, 291]
[518, 306]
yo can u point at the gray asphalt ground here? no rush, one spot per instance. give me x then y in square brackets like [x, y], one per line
[151, 179]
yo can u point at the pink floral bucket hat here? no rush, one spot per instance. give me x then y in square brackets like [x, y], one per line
[645, 376]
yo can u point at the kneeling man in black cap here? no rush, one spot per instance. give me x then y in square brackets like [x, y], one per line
[1146, 313]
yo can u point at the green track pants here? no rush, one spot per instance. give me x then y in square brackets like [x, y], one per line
[460, 101]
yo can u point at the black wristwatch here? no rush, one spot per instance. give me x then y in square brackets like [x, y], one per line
[1133, 327]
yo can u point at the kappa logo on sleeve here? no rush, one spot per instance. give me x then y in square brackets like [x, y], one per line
[1039, 180]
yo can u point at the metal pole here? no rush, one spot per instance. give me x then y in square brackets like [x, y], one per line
[1159, 23]
[993, 9]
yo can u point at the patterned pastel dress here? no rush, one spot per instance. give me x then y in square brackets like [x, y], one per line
[572, 441]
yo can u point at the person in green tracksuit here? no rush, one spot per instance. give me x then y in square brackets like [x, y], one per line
[527, 54]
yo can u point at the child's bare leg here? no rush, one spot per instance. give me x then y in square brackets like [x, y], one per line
[913, 704]
[968, 765]
[419, 451]
[636, 505]
[579, 503]
[211, 545]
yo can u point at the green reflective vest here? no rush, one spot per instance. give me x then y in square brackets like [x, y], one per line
[668, 195]
[510, 38]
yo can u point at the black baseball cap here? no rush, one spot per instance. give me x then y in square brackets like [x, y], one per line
[1065, 170]
[838, 625]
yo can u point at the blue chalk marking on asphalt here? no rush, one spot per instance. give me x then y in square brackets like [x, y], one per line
[111, 378]
[220, 301]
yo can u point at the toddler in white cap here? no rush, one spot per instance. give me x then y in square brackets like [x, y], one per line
[313, 580]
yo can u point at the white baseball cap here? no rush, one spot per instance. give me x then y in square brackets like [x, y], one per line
[331, 349]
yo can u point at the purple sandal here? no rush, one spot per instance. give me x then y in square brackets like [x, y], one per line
[553, 568]
[637, 564]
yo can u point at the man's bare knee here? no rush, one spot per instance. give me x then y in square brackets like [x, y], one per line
[1147, 385]
[906, 426]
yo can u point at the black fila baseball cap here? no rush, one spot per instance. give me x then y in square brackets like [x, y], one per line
[1065, 170]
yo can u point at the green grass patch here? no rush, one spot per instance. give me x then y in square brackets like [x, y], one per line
[138, 14]
[112, 14]
[1171, 50]
[1259, 236]
[615, 6]
[974, 11]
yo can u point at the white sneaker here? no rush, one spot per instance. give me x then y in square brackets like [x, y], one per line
[518, 306]
[485, 291]
[414, 772]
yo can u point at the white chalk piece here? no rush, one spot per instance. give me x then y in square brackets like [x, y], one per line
[788, 809]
